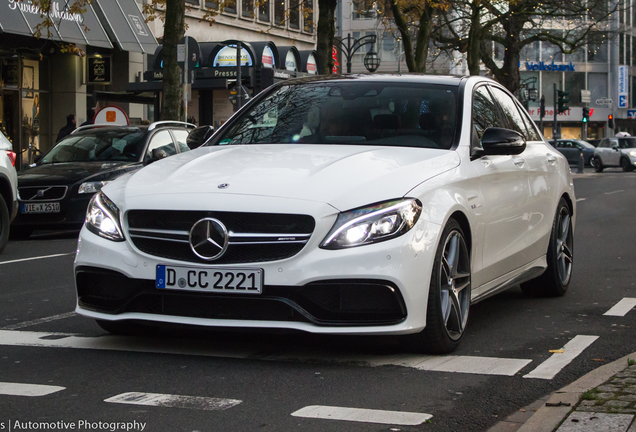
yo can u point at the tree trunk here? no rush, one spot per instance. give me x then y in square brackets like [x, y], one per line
[172, 102]
[423, 40]
[326, 29]
[473, 51]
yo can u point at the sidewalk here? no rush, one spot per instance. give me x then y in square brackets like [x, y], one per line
[604, 400]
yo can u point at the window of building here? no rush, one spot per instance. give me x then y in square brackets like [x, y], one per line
[548, 79]
[531, 52]
[263, 11]
[229, 6]
[279, 12]
[362, 9]
[551, 52]
[212, 4]
[294, 17]
[308, 15]
[597, 49]
[621, 49]
[247, 8]
[192, 2]
[387, 52]
[597, 84]
[574, 83]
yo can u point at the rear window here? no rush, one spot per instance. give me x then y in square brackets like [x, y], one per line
[353, 113]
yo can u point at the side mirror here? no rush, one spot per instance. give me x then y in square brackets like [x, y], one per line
[498, 141]
[155, 156]
[199, 136]
[615, 147]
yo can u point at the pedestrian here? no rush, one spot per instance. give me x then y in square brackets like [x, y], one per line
[66, 130]
[90, 115]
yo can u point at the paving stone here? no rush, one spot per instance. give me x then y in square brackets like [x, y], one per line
[608, 388]
[624, 381]
[605, 396]
[587, 403]
[616, 404]
[592, 409]
[629, 390]
[626, 410]
[632, 367]
[629, 398]
[626, 374]
[595, 422]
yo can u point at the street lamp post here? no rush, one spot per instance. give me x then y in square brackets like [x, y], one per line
[371, 60]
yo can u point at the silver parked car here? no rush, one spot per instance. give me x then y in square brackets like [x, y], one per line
[615, 152]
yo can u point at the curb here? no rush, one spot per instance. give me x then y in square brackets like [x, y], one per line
[547, 418]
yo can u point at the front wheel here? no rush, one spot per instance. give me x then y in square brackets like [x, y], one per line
[556, 279]
[448, 297]
[626, 165]
[598, 165]
[4, 224]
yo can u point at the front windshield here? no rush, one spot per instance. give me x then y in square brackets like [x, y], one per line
[359, 113]
[98, 146]
[627, 143]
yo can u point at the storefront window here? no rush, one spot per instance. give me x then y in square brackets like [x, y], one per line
[548, 79]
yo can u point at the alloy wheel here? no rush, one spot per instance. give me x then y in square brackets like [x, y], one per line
[564, 249]
[454, 280]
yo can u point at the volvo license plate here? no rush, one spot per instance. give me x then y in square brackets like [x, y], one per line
[227, 280]
[41, 208]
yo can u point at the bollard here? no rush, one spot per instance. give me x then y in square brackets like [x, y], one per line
[581, 163]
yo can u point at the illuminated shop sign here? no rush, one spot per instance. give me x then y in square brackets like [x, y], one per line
[553, 67]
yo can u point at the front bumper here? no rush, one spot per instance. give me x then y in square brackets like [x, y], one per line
[374, 289]
[72, 214]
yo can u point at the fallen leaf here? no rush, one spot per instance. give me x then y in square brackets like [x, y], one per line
[535, 410]
[559, 351]
[522, 410]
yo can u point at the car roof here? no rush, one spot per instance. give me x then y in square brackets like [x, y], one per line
[406, 78]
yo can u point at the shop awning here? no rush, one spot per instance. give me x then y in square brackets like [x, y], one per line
[22, 18]
[126, 25]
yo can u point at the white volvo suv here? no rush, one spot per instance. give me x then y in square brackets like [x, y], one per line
[343, 205]
[8, 189]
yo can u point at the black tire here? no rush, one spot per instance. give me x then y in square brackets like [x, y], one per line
[556, 279]
[448, 303]
[598, 164]
[590, 161]
[4, 224]
[20, 233]
[626, 165]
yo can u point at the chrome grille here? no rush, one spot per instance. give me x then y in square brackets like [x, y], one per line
[253, 237]
[42, 193]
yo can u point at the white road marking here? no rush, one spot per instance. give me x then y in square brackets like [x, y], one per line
[462, 364]
[38, 321]
[36, 258]
[581, 199]
[174, 401]
[613, 192]
[622, 307]
[362, 415]
[552, 366]
[17, 389]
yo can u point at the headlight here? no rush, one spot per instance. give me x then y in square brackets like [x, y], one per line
[632, 153]
[92, 187]
[102, 218]
[373, 224]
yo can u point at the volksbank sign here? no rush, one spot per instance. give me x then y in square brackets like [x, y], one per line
[550, 67]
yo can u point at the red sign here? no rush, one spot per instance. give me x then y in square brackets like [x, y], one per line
[334, 55]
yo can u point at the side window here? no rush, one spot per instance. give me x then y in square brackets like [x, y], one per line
[604, 143]
[560, 144]
[182, 137]
[485, 114]
[569, 144]
[161, 140]
[510, 111]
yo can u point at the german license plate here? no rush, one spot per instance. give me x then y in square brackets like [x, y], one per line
[41, 208]
[227, 280]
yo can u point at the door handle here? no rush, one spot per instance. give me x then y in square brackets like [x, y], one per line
[519, 161]
[551, 158]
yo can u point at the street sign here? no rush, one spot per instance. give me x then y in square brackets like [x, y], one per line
[631, 114]
[604, 102]
[586, 96]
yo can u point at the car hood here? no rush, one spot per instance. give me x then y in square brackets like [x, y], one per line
[343, 176]
[68, 173]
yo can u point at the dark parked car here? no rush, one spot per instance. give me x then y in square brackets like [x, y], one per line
[571, 149]
[54, 192]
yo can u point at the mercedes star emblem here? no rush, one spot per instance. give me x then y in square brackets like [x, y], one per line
[208, 239]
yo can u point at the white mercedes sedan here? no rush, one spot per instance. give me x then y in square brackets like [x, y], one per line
[378, 205]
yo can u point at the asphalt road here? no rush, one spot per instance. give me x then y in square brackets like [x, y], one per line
[255, 381]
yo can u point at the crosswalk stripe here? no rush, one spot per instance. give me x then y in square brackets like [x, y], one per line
[461, 364]
[18, 389]
[552, 366]
[174, 401]
[622, 307]
[362, 415]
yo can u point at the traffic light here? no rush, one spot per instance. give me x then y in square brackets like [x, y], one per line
[586, 114]
[542, 107]
[563, 98]
[610, 121]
